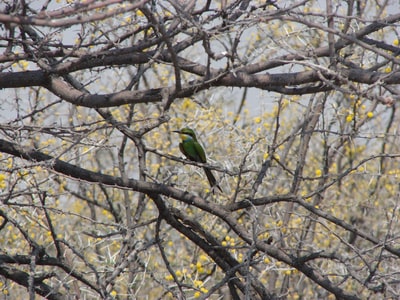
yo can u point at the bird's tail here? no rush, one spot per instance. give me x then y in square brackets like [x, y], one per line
[211, 179]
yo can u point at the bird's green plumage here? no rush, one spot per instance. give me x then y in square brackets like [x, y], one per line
[192, 149]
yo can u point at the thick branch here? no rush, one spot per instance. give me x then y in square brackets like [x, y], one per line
[22, 278]
[44, 20]
[271, 82]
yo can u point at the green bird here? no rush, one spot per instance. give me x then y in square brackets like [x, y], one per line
[192, 149]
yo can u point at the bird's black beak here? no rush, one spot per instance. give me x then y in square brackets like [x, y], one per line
[177, 131]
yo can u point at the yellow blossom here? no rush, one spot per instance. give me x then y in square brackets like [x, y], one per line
[349, 118]
[203, 258]
[257, 120]
[24, 64]
[2, 181]
[169, 277]
[198, 265]
[198, 283]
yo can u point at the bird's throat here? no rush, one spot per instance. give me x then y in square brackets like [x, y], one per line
[185, 137]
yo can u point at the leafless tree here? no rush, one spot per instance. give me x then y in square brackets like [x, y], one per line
[295, 102]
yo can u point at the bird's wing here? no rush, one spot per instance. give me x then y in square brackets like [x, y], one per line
[189, 150]
[182, 149]
[200, 152]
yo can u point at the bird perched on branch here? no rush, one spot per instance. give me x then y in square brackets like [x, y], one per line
[192, 149]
